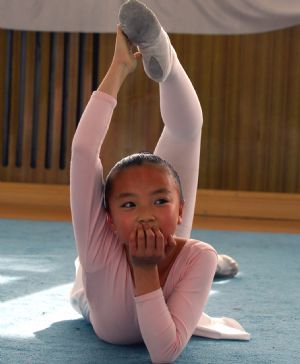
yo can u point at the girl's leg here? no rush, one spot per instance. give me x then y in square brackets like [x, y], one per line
[179, 143]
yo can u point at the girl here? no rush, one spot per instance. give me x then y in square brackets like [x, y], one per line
[139, 275]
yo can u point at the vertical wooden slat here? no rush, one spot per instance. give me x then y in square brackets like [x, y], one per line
[3, 60]
[291, 152]
[277, 105]
[96, 56]
[58, 102]
[36, 102]
[245, 113]
[14, 103]
[259, 121]
[71, 120]
[7, 102]
[43, 103]
[65, 103]
[81, 73]
[87, 68]
[22, 65]
[216, 117]
[230, 122]
[51, 88]
[26, 173]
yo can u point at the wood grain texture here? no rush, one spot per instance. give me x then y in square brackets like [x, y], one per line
[244, 204]
[249, 87]
[225, 210]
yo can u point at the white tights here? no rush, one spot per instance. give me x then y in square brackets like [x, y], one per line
[179, 142]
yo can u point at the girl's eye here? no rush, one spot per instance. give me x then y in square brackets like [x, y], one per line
[160, 201]
[127, 205]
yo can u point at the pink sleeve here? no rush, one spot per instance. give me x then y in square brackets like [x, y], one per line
[86, 177]
[166, 327]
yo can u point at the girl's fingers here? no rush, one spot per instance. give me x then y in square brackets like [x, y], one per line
[150, 241]
[132, 243]
[147, 245]
[141, 240]
[160, 242]
[123, 37]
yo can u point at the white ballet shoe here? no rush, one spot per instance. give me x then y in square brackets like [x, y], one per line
[227, 267]
[220, 328]
[144, 30]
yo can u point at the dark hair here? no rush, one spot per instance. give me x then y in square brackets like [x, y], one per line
[138, 159]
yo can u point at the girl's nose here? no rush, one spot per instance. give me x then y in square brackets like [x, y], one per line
[146, 219]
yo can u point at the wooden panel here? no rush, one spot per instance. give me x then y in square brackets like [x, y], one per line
[227, 210]
[291, 160]
[246, 224]
[248, 204]
[3, 91]
[249, 87]
[34, 201]
[25, 170]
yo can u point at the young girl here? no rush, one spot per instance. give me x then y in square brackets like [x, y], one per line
[139, 275]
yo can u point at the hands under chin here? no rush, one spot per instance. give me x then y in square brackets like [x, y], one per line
[147, 246]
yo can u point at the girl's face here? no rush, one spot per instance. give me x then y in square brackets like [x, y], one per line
[144, 194]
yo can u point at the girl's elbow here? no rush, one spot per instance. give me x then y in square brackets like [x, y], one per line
[82, 149]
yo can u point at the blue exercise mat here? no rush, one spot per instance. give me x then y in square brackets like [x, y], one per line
[37, 324]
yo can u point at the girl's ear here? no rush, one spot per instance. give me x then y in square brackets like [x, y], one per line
[110, 220]
[180, 214]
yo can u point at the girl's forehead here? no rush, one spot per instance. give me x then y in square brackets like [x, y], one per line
[145, 179]
[145, 174]
[145, 169]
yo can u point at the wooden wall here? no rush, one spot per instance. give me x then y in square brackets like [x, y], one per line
[249, 87]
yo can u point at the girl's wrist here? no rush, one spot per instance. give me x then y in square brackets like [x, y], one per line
[114, 79]
[119, 68]
[146, 279]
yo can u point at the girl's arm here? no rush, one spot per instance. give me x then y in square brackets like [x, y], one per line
[86, 175]
[168, 323]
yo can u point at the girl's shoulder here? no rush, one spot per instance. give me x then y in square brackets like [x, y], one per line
[193, 248]
[194, 259]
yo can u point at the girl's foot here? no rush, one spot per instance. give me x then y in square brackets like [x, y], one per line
[227, 267]
[144, 30]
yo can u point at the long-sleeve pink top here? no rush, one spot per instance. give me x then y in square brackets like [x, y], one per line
[164, 319]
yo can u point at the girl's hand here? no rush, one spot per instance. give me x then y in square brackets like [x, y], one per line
[124, 52]
[148, 247]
